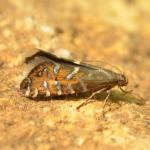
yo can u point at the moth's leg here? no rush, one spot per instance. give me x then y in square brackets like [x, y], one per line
[88, 100]
[125, 91]
[104, 103]
[40, 53]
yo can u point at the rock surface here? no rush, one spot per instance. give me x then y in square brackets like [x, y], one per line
[115, 32]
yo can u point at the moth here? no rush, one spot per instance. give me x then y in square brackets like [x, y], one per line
[57, 76]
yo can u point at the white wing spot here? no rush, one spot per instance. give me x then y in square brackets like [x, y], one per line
[35, 93]
[48, 94]
[56, 69]
[70, 75]
[58, 86]
[27, 93]
[71, 90]
[45, 84]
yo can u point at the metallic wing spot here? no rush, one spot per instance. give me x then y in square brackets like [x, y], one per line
[49, 76]
[46, 86]
[58, 86]
[48, 73]
[35, 93]
[39, 74]
[70, 75]
[56, 68]
[83, 86]
[45, 69]
[70, 88]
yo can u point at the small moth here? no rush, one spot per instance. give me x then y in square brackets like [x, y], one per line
[58, 76]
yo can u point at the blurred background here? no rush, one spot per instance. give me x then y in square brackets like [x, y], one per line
[116, 32]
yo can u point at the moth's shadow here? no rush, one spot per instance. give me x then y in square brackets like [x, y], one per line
[116, 96]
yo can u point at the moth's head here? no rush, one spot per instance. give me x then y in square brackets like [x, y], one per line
[25, 87]
[122, 80]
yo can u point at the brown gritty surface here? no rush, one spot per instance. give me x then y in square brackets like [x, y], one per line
[115, 32]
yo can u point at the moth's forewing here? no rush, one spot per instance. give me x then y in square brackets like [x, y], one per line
[58, 76]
